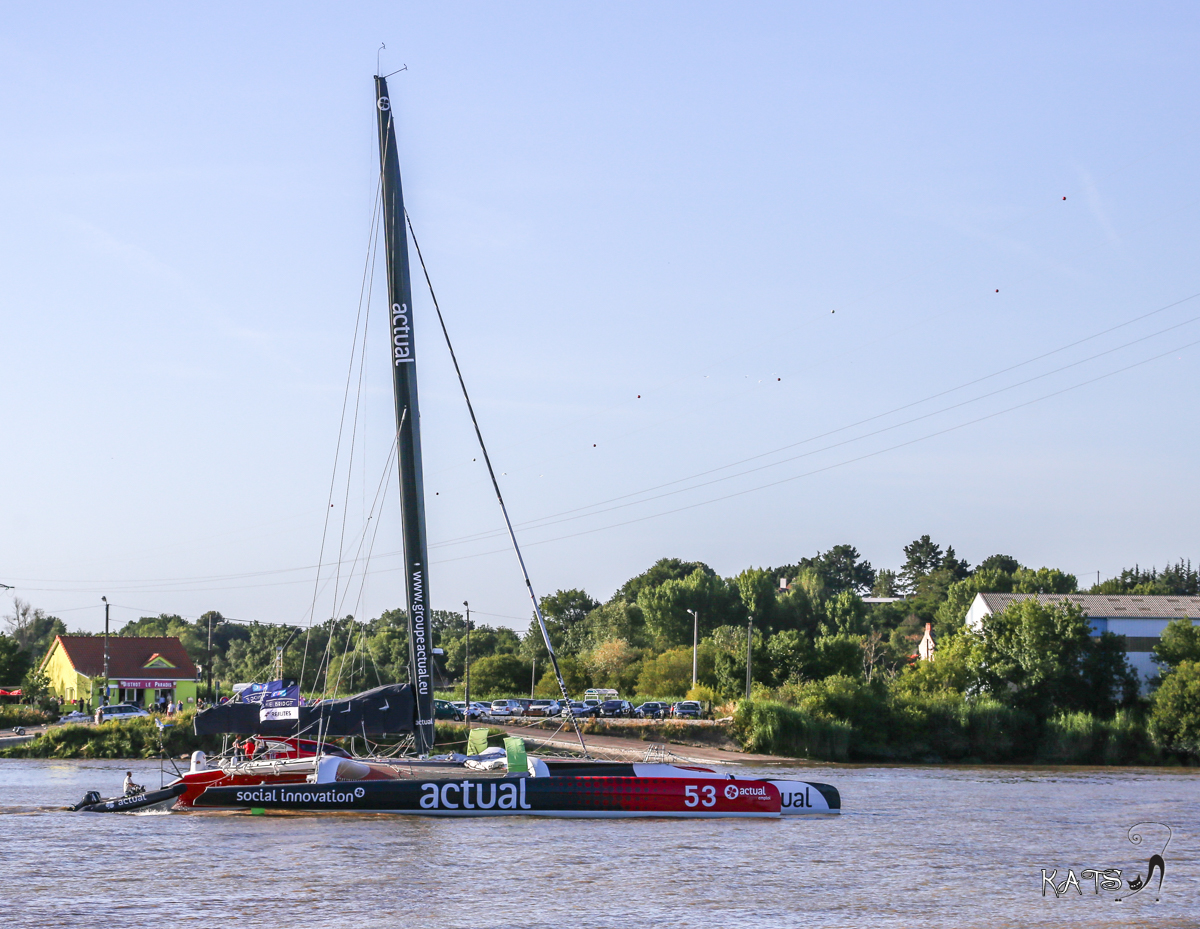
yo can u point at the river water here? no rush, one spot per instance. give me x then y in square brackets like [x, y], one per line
[914, 847]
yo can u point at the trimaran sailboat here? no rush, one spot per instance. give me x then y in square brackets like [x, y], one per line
[288, 772]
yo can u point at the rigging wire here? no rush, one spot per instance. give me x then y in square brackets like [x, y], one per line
[857, 438]
[364, 291]
[496, 486]
[848, 461]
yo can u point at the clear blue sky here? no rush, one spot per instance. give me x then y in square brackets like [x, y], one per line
[782, 227]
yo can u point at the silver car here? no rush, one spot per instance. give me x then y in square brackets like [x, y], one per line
[121, 711]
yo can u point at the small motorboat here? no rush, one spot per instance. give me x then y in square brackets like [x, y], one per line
[163, 799]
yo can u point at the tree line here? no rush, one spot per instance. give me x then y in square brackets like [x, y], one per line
[813, 639]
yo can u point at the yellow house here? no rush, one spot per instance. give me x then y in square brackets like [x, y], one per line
[145, 670]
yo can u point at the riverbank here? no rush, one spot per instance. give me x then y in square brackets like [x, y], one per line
[142, 738]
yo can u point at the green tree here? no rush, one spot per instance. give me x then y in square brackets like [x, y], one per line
[14, 663]
[615, 664]
[617, 619]
[1179, 580]
[665, 608]
[666, 675]
[841, 568]
[949, 673]
[845, 613]
[565, 612]
[574, 674]
[35, 689]
[500, 674]
[791, 656]
[665, 569]
[886, 584]
[921, 558]
[839, 654]
[1179, 642]
[1043, 657]
[756, 588]
[1175, 716]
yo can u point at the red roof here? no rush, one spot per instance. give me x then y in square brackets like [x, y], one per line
[128, 656]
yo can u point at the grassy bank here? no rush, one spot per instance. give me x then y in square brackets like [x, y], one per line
[24, 716]
[133, 738]
[945, 730]
[139, 738]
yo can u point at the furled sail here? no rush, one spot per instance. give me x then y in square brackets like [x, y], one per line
[386, 710]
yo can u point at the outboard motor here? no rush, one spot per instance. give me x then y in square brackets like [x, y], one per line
[89, 798]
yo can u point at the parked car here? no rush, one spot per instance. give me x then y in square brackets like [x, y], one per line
[578, 708]
[600, 694]
[651, 710]
[444, 709]
[543, 708]
[121, 711]
[481, 709]
[616, 708]
[477, 710]
[686, 709]
[507, 708]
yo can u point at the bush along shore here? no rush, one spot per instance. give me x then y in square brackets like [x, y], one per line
[869, 727]
[140, 738]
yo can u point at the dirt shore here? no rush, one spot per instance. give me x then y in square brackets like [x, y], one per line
[635, 750]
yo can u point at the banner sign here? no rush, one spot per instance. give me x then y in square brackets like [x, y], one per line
[278, 700]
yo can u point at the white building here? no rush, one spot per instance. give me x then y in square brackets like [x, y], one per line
[1141, 619]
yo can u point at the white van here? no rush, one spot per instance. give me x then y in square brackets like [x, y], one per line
[600, 694]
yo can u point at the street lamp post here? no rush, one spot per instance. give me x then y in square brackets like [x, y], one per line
[749, 647]
[695, 643]
[467, 666]
[105, 599]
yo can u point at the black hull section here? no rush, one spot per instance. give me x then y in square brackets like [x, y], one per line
[131, 804]
[585, 797]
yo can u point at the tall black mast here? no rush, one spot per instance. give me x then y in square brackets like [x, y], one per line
[408, 422]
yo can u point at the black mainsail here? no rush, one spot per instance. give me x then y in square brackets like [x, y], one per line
[408, 422]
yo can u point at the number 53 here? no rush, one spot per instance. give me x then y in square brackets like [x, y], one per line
[692, 798]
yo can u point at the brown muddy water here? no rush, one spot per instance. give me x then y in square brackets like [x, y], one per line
[924, 847]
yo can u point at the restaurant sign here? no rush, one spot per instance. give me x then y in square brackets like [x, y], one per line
[159, 685]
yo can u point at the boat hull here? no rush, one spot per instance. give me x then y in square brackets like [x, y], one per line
[151, 799]
[573, 797]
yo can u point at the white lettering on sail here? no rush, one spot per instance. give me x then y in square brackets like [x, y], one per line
[401, 334]
[417, 602]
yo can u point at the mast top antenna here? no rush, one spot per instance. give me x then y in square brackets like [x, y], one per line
[383, 46]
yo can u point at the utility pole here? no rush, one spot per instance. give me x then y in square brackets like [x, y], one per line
[533, 679]
[749, 647]
[209, 662]
[695, 643]
[467, 668]
[105, 700]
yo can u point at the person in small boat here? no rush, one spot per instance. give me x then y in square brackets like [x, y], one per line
[130, 787]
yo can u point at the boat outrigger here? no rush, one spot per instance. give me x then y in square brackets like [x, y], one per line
[280, 770]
